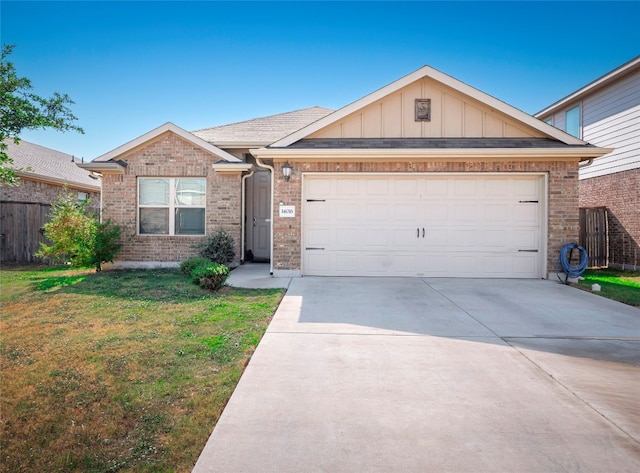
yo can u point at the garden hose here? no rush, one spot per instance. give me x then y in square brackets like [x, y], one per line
[564, 261]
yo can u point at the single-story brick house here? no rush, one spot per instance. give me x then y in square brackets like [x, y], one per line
[43, 175]
[426, 176]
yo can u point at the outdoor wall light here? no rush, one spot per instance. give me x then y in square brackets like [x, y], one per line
[286, 171]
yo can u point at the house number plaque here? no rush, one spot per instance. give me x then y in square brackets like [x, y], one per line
[287, 210]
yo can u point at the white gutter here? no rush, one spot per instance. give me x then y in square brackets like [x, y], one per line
[270, 168]
[244, 211]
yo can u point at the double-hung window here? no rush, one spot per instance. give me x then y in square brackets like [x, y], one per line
[171, 206]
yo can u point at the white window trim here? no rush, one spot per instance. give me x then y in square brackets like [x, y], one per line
[172, 207]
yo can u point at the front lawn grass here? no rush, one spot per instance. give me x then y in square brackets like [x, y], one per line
[119, 371]
[623, 286]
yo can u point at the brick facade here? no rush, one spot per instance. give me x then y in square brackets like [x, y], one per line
[563, 218]
[168, 155]
[31, 191]
[620, 193]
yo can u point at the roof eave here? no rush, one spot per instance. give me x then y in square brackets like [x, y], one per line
[297, 154]
[223, 167]
[110, 167]
[57, 181]
[427, 71]
[167, 127]
[590, 88]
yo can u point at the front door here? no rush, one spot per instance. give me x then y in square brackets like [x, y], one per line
[258, 216]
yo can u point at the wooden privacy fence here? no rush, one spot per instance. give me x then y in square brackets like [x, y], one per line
[20, 230]
[594, 235]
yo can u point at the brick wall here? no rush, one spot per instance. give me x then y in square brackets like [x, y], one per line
[563, 221]
[170, 156]
[40, 192]
[620, 193]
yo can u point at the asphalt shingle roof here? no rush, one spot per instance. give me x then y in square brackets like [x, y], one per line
[429, 143]
[264, 129]
[44, 162]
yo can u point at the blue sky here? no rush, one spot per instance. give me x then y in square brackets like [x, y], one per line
[132, 66]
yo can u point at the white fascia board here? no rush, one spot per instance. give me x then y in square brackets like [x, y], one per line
[56, 181]
[427, 71]
[590, 88]
[111, 167]
[422, 153]
[231, 167]
[163, 129]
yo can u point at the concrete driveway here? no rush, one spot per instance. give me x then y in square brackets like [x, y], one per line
[437, 375]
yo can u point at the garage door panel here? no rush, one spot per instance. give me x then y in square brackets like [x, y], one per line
[377, 212]
[378, 237]
[495, 238]
[346, 212]
[318, 237]
[473, 226]
[497, 213]
[524, 239]
[345, 188]
[464, 213]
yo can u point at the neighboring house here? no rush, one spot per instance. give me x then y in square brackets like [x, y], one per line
[424, 177]
[606, 113]
[24, 208]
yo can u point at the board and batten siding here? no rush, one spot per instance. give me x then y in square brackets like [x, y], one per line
[453, 115]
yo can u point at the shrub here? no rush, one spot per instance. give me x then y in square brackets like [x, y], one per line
[77, 236]
[218, 248]
[189, 265]
[210, 276]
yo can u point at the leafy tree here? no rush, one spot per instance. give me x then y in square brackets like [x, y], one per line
[77, 236]
[21, 109]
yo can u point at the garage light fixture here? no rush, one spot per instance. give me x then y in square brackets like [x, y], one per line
[286, 171]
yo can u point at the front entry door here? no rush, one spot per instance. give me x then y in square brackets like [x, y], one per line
[258, 217]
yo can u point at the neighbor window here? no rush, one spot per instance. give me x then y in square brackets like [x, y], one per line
[171, 206]
[572, 121]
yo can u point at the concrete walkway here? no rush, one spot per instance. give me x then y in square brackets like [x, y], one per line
[436, 375]
[255, 276]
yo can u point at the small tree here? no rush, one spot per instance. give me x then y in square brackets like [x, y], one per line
[77, 236]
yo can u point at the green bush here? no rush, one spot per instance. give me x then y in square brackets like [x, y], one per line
[210, 276]
[77, 236]
[187, 266]
[218, 247]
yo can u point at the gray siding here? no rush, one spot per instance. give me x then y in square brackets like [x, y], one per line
[611, 119]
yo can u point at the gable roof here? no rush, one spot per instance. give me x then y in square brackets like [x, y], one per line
[597, 84]
[195, 140]
[427, 71]
[261, 131]
[32, 161]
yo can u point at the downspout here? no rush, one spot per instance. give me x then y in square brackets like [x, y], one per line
[586, 163]
[270, 168]
[244, 212]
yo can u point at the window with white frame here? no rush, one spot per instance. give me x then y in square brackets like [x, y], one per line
[171, 206]
[572, 121]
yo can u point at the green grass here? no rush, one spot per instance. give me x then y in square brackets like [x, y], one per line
[622, 286]
[122, 371]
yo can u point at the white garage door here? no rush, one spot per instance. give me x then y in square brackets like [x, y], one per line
[423, 225]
